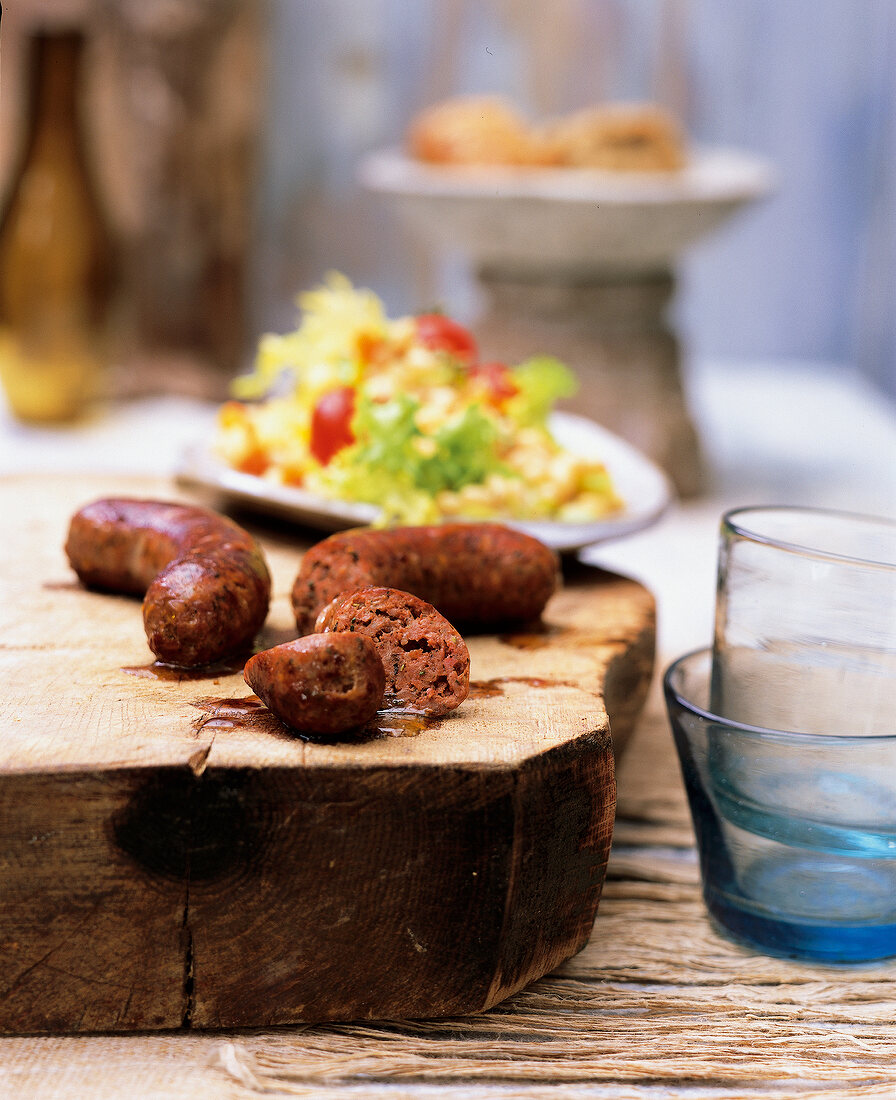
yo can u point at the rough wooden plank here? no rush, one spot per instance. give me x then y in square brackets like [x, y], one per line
[76, 659]
[74, 916]
[372, 894]
[250, 877]
[658, 1005]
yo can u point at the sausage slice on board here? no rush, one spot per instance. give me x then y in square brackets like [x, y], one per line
[426, 660]
[321, 684]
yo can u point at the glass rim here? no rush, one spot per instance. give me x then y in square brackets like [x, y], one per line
[731, 523]
[761, 731]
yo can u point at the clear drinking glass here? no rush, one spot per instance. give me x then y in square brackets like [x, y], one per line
[805, 633]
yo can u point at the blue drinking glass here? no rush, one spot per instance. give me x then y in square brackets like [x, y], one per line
[796, 831]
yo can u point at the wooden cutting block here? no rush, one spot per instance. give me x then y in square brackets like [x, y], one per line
[170, 856]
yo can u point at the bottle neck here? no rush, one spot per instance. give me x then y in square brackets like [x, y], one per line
[55, 77]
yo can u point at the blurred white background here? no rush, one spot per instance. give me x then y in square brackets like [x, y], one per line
[787, 314]
[808, 276]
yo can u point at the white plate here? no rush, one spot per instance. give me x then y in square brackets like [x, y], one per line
[568, 218]
[642, 485]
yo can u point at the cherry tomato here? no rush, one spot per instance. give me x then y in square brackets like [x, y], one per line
[331, 423]
[498, 381]
[440, 333]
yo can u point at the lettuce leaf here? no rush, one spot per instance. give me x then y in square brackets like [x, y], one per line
[395, 465]
[465, 453]
[541, 381]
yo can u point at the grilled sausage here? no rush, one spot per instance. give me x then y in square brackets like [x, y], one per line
[477, 575]
[204, 579]
[426, 660]
[324, 683]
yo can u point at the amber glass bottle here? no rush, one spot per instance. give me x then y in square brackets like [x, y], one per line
[55, 255]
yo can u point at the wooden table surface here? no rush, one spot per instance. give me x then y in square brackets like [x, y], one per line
[657, 1005]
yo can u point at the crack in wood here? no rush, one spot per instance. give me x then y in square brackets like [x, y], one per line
[188, 988]
[189, 973]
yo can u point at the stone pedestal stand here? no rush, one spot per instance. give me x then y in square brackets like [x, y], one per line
[579, 265]
[612, 331]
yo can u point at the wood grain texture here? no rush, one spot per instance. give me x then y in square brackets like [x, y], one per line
[171, 856]
[658, 1006]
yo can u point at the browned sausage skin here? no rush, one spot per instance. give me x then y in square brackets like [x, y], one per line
[323, 684]
[204, 578]
[426, 661]
[477, 574]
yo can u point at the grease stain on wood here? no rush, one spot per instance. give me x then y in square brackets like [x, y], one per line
[249, 712]
[538, 636]
[158, 670]
[490, 689]
[402, 723]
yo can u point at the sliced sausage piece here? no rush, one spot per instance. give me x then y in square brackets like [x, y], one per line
[426, 660]
[324, 683]
[204, 579]
[477, 574]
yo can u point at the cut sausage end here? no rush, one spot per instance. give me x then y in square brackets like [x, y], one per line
[325, 684]
[426, 661]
